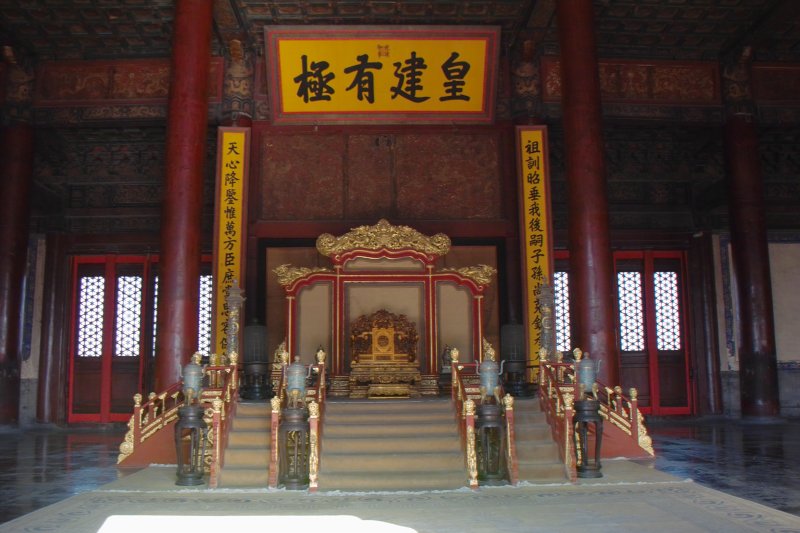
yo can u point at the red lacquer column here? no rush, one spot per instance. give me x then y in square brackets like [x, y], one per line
[16, 174]
[758, 367]
[179, 264]
[591, 266]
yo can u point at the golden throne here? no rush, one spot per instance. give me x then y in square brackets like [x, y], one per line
[383, 357]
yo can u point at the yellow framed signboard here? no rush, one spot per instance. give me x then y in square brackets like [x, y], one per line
[347, 74]
[536, 228]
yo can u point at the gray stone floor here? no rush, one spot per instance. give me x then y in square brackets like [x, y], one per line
[759, 462]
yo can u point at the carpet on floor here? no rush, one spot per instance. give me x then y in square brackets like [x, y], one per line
[630, 497]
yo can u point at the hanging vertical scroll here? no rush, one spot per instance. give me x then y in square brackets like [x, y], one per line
[536, 228]
[230, 219]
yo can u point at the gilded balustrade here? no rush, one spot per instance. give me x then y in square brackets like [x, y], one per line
[315, 401]
[219, 396]
[556, 401]
[465, 394]
[559, 388]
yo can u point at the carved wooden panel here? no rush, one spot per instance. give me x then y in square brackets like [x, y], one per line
[776, 84]
[103, 83]
[301, 177]
[663, 82]
[448, 176]
[370, 187]
[440, 176]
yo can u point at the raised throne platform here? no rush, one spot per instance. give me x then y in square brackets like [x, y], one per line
[384, 357]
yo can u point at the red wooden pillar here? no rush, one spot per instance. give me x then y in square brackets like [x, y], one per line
[179, 263]
[758, 367]
[16, 174]
[591, 265]
[53, 366]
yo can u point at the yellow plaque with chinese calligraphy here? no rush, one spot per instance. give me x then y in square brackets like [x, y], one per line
[536, 226]
[230, 218]
[387, 74]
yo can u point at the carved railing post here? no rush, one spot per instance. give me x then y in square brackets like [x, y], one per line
[634, 403]
[214, 436]
[472, 458]
[313, 449]
[569, 459]
[455, 385]
[511, 439]
[275, 403]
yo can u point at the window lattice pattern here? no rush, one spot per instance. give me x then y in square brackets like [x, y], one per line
[128, 331]
[563, 333]
[631, 311]
[204, 318]
[668, 313]
[90, 316]
[155, 311]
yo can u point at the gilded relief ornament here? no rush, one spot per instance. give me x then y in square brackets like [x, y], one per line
[288, 274]
[481, 274]
[488, 351]
[383, 235]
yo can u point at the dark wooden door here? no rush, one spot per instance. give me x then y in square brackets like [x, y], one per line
[108, 337]
[652, 337]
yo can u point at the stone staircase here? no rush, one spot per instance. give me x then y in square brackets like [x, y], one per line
[247, 455]
[537, 454]
[391, 445]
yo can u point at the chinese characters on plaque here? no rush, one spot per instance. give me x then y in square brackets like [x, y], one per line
[368, 73]
[536, 227]
[230, 217]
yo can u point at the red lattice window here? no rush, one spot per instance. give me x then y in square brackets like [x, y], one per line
[90, 316]
[128, 328]
[204, 315]
[668, 312]
[562, 324]
[631, 311]
[155, 313]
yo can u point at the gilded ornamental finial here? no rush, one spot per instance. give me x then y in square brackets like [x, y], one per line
[454, 355]
[383, 235]
[288, 274]
[469, 407]
[481, 274]
[488, 351]
[543, 354]
[508, 401]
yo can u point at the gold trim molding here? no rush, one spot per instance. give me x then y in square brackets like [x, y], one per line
[383, 235]
[288, 274]
[481, 274]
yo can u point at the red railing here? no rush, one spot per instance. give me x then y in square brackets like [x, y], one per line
[148, 441]
[466, 395]
[148, 419]
[315, 399]
[555, 399]
[221, 396]
[559, 388]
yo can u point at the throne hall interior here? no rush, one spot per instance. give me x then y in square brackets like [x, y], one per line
[673, 170]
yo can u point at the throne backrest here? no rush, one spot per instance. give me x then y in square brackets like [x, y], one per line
[383, 336]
